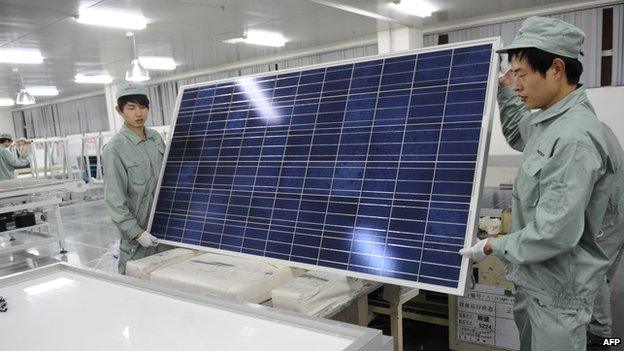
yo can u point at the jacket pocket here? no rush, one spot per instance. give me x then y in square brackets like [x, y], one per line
[554, 199]
[527, 188]
[137, 170]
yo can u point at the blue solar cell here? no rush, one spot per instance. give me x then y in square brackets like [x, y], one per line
[366, 167]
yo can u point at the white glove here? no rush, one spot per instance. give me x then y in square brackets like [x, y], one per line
[476, 252]
[147, 240]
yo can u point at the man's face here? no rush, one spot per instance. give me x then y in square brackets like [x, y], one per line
[535, 90]
[134, 114]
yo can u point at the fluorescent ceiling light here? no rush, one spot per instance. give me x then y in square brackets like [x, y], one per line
[356, 10]
[6, 102]
[158, 63]
[42, 90]
[95, 79]
[414, 7]
[23, 56]
[114, 19]
[260, 37]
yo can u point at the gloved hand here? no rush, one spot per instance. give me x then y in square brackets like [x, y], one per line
[147, 240]
[476, 252]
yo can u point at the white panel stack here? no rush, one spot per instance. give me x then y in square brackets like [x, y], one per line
[233, 277]
[313, 291]
[144, 267]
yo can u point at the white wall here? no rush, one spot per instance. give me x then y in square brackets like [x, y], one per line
[607, 101]
[6, 121]
[609, 105]
[498, 144]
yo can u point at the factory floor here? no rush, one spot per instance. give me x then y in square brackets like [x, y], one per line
[90, 233]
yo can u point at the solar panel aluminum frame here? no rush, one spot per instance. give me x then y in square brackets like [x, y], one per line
[478, 181]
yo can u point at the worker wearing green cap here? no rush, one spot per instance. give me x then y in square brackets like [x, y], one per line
[561, 191]
[131, 164]
[8, 161]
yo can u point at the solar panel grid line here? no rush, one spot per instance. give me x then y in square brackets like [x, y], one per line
[178, 178]
[252, 191]
[185, 230]
[353, 240]
[483, 151]
[305, 172]
[383, 255]
[211, 97]
[396, 179]
[222, 234]
[306, 178]
[281, 170]
[333, 127]
[324, 228]
[214, 173]
[422, 248]
[382, 108]
[331, 186]
[236, 144]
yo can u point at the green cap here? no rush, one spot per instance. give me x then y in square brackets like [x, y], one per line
[6, 136]
[131, 89]
[548, 34]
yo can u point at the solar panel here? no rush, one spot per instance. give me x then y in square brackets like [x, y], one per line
[370, 167]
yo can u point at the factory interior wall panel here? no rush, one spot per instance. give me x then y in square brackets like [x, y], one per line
[498, 144]
[609, 105]
[607, 102]
[589, 20]
[6, 122]
[18, 123]
[77, 116]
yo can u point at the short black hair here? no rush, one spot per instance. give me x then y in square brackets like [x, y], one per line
[4, 140]
[540, 61]
[138, 99]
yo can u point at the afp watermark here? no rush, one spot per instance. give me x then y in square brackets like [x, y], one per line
[611, 342]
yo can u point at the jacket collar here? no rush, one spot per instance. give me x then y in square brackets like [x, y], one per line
[133, 137]
[576, 97]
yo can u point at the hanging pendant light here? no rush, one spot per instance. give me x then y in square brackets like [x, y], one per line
[23, 97]
[136, 72]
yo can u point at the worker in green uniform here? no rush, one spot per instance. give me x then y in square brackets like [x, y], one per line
[611, 240]
[132, 162]
[561, 190]
[8, 161]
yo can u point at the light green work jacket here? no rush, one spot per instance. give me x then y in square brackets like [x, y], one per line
[611, 239]
[131, 169]
[560, 197]
[8, 163]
